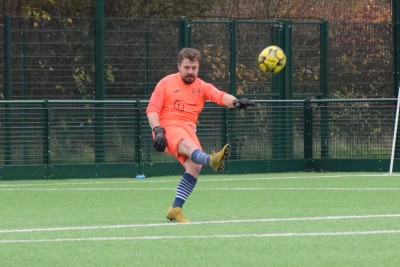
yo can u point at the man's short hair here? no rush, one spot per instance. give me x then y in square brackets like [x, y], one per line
[189, 53]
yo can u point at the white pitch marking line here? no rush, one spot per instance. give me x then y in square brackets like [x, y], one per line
[160, 180]
[307, 188]
[88, 189]
[295, 177]
[206, 189]
[377, 216]
[218, 236]
[70, 183]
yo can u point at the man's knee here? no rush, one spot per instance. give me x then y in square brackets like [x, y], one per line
[192, 168]
[186, 147]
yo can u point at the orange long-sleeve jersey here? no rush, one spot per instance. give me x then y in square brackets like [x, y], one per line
[177, 102]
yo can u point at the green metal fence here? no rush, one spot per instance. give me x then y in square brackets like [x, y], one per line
[57, 59]
[53, 139]
[97, 74]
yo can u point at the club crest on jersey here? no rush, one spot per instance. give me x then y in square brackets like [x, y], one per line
[179, 105]
[196, 91]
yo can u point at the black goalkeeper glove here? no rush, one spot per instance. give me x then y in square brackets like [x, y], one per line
[160, 142]
[243, 103]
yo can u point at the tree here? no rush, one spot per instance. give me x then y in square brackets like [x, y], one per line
[332, 10]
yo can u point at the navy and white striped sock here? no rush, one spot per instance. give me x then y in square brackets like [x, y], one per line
[185, 188]
[199, 157]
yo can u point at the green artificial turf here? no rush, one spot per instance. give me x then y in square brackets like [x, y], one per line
[283, 219]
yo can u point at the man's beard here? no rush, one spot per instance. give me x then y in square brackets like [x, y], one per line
[185, 80]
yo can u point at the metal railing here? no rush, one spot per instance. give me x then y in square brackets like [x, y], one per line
[51, 133]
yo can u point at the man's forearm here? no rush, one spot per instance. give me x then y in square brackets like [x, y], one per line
[154, 119]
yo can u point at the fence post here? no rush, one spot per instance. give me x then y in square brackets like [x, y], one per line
[185, 33]
[99, 50]
[232, 58]
[147, 62]
[396, 44]
[325, 139]
[275, 35]
[139, 137]
[24, 85]
[286, 74]
[99, 83]
[7, 88]
[396, 56]
[284, 79]
[24, 67]
[230, 121]
[7, 57]
[46, 136]
[308, 137]
[324, 70]
[324, 58]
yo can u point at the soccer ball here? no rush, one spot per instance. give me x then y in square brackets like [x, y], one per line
[272, 59]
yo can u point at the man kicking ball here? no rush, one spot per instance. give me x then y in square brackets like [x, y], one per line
[173, 110]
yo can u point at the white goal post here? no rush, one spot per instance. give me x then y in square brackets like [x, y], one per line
[396, 122]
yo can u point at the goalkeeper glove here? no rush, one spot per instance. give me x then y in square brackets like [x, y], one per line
[160, 142]
[243, 103]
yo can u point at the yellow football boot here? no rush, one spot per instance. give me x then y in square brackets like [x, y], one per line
[217, 160]
[175, 214]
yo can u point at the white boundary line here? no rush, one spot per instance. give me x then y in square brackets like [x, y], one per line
[90, 189]
[306, 188]
[169, 224]
[207, 189]
[216, 179]
[218, 236]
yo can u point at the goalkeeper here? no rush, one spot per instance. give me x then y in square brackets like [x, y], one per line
[173, 111]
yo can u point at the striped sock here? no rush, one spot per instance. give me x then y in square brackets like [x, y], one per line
[185, 187]
[199, 157]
